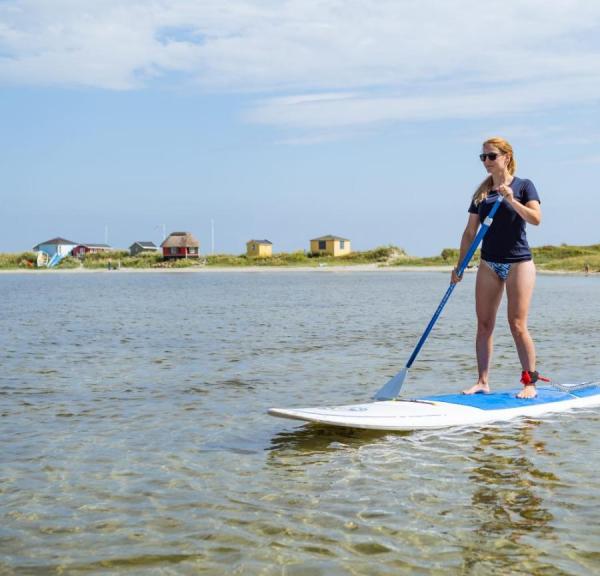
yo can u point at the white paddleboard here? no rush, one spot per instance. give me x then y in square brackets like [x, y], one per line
[446, 410]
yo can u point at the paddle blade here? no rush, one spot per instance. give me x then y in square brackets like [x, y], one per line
[391, 389]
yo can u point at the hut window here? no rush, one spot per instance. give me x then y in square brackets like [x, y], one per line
[173, 250]
[322, 245]
[342, 243]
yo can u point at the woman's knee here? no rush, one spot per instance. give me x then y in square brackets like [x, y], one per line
[485, 326]
[518, 327]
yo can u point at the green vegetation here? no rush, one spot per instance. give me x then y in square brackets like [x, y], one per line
[448, 257]
[569, 258]
[121, 258]
[20, 260]
[379, 255]
[556, 258]
[280, 259]
[563, 258]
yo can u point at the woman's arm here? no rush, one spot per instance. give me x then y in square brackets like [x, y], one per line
[465, 243]
[530, 212]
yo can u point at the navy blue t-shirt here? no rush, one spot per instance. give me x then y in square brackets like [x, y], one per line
[506, 239]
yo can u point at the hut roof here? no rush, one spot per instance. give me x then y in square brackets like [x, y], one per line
[55, 241]
[144, 244]
[260, 242]
[181, 239]
[330, 237]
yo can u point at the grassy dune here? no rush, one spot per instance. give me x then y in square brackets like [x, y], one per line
[378, 255]
[556, 258]
[563, 258]
[569, 258]
[10, 261]
[448, 257]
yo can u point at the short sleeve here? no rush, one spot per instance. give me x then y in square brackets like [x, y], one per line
[529, 192]
[473, 209]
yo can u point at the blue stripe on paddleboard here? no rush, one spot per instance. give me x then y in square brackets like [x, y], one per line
[508, 399]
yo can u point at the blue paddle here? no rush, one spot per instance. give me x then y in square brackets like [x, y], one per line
[392, 388]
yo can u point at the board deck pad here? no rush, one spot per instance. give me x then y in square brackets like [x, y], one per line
[500, 400]
[445, 410]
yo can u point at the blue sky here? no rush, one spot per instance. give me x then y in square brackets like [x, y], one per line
[288, 120]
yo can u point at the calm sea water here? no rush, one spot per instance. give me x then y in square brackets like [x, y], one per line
[134, 438]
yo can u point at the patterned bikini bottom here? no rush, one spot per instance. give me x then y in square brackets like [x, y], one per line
[499, 268]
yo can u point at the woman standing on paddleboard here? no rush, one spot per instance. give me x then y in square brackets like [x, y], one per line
[506, 261]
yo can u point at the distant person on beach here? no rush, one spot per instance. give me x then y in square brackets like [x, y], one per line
[506, 261]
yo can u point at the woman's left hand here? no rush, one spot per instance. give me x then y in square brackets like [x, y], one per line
[506, 192]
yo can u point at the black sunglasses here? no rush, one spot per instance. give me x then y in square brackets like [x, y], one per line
[491, 155]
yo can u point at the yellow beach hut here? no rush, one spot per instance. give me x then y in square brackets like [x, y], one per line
[259, 248]
[330, 245]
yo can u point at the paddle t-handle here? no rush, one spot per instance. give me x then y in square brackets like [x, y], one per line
[392, 388]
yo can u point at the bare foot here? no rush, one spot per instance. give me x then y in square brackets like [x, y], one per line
[528, 391]
[477, 389]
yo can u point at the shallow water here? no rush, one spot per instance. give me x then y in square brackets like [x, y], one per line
[134, 437]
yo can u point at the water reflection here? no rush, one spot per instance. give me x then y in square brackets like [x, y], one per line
[509, 512]
[315, 439]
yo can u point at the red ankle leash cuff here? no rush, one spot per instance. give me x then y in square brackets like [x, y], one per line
[530, 377]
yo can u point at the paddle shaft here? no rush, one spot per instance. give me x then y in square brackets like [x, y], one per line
[391, 389]
[463, 265]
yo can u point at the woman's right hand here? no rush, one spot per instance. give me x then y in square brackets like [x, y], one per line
[455, 278]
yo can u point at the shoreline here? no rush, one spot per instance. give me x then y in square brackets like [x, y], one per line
[209, 269]
[263, 269]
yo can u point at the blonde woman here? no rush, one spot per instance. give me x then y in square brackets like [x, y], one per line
[506, 261]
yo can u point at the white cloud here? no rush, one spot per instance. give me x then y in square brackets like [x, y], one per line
[323, 62]
[446, 102]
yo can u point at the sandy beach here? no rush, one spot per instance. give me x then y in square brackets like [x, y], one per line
[263, 269]
[208, 269]
[258, 269]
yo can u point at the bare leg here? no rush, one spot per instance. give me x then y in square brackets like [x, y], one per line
[488, 294]
[519, 289]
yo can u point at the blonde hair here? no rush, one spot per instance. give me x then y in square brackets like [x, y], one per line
[486, 186]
